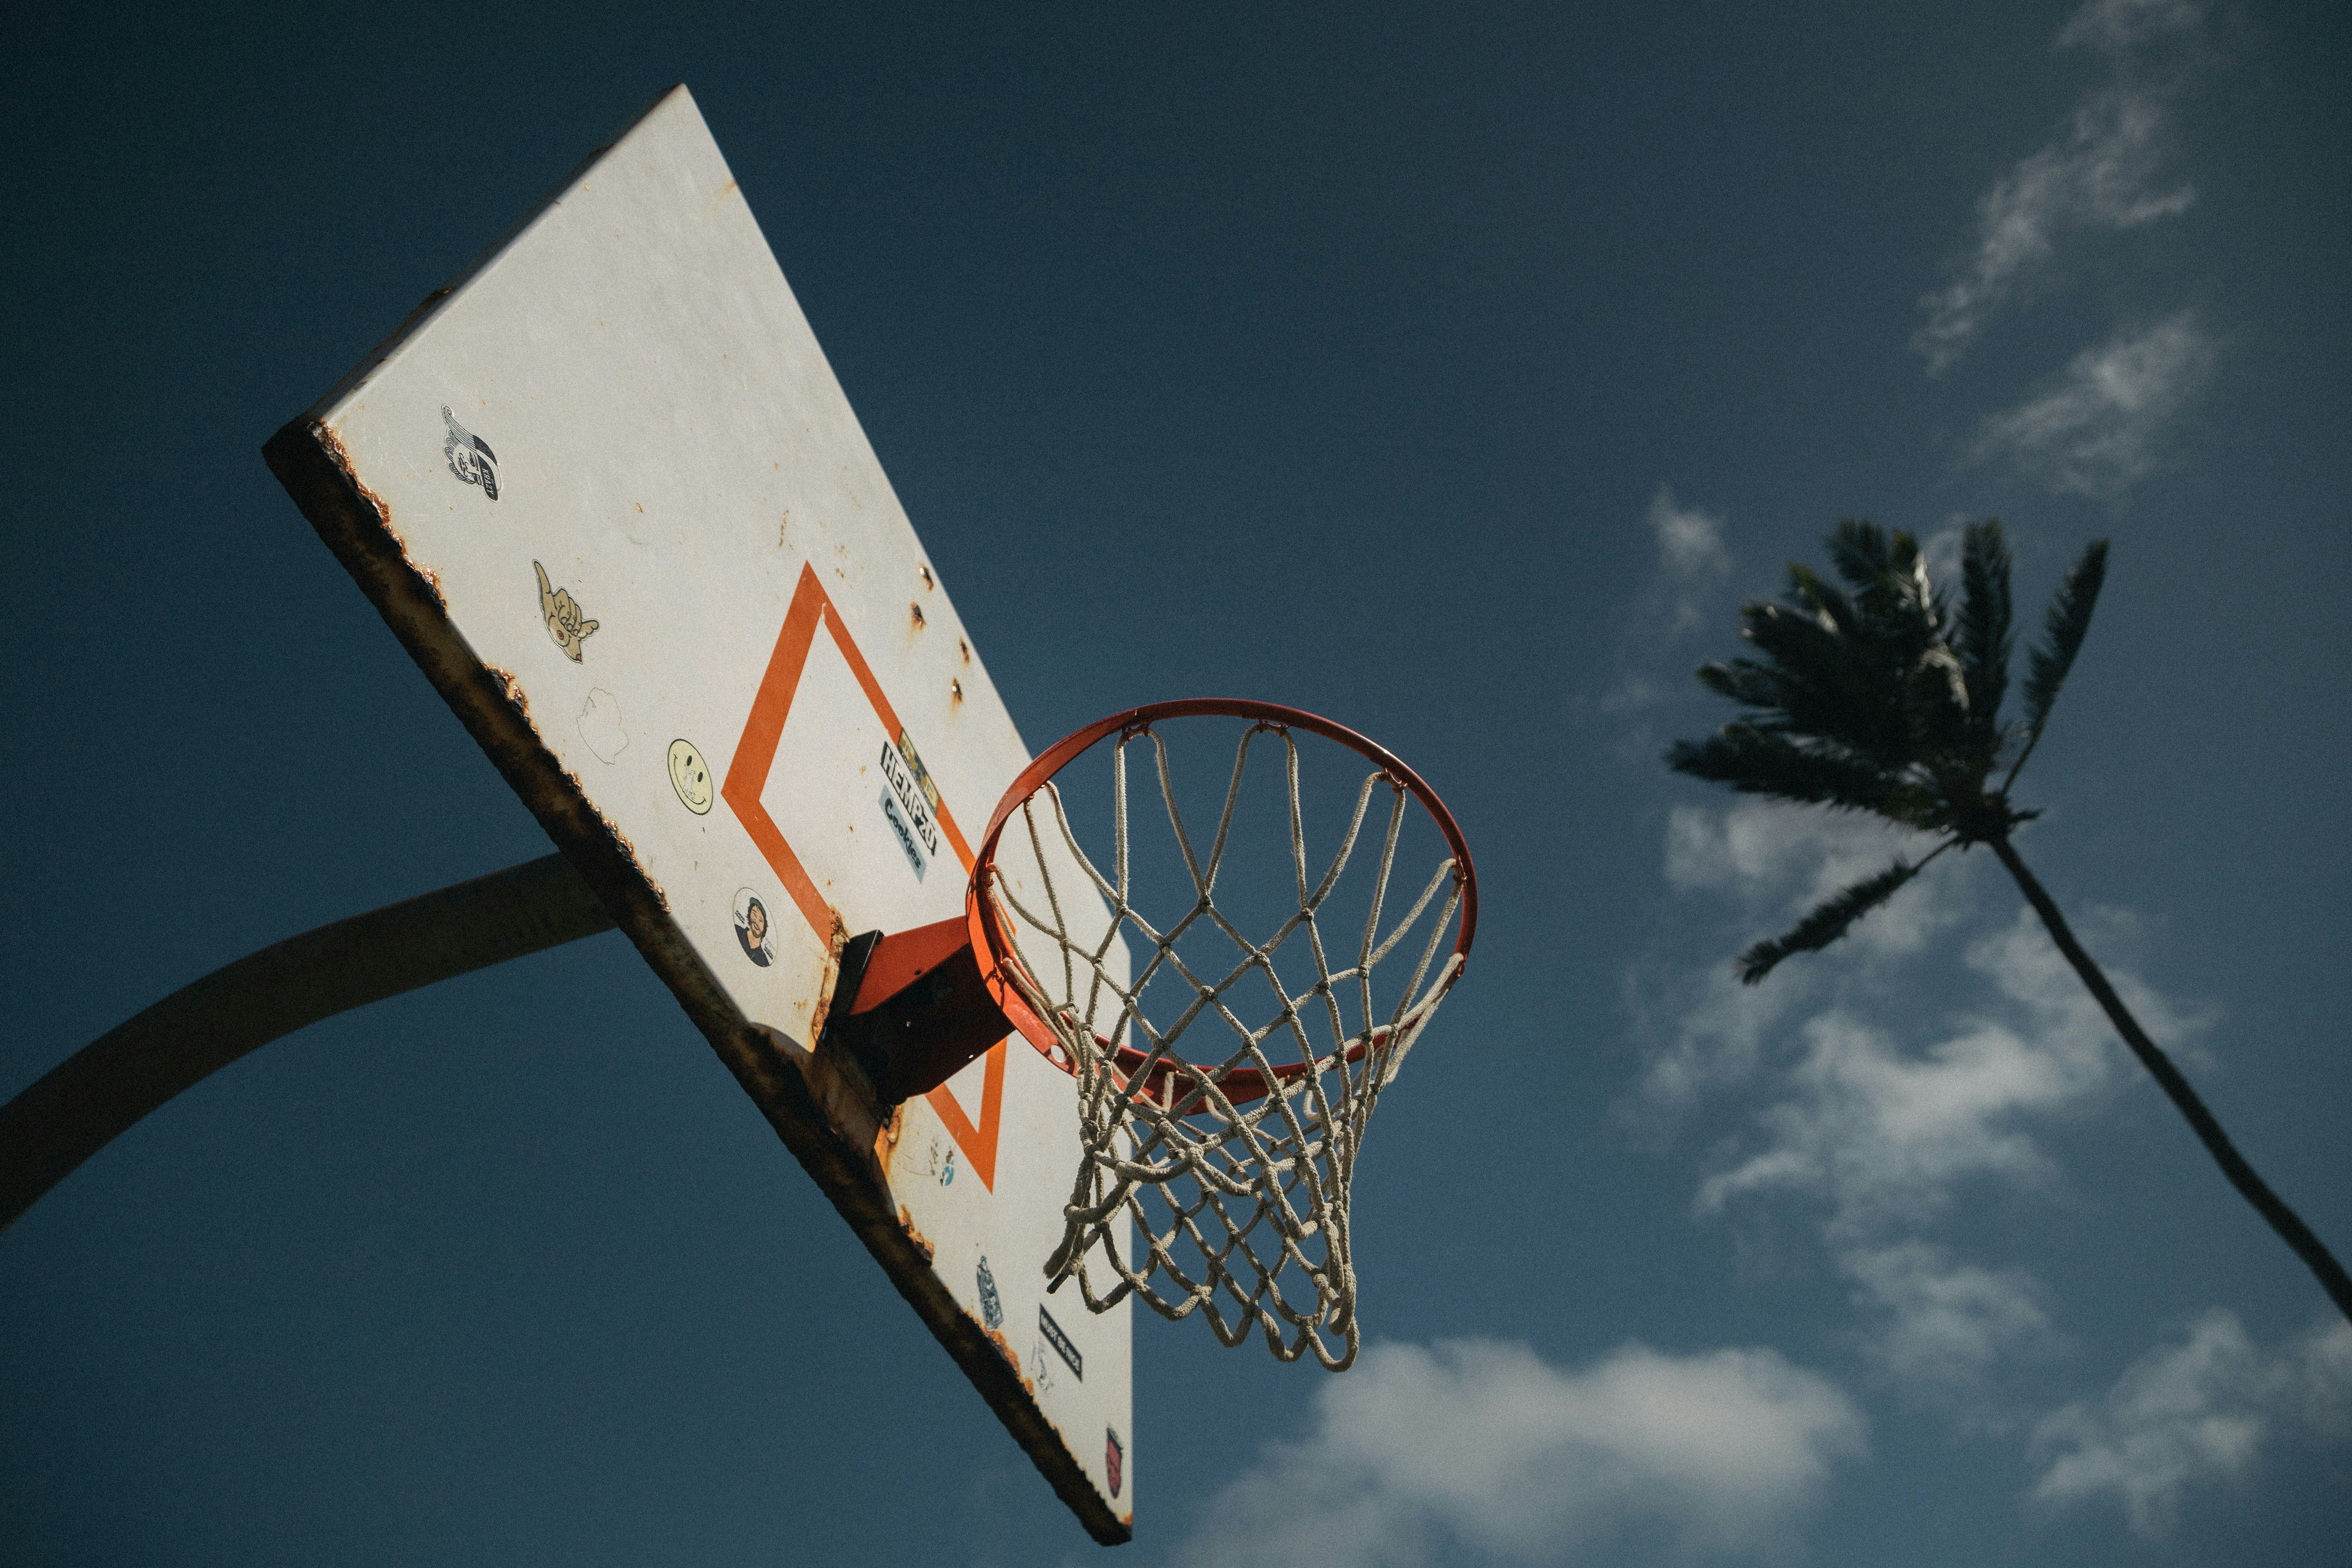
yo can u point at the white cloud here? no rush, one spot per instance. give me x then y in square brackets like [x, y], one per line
[1683, 594]
[1879, 1131]
[2322, 1379]
[1777, 861]
[1941, 551]
[1939, 1327]
[1884, 1135]
[2189, 1413]
[1785, 857]
[1690, 542]
[1718, 1038]
[2098, 178]
[2119, 26]
[2094, 432]
[2029, 969]
[1783, 860]
[1484, 1449]
[2184, 1412]
[2101, 174]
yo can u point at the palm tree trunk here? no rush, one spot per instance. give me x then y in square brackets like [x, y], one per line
[2251, 1188]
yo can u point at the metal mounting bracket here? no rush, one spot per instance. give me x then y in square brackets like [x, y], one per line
[918, 1012]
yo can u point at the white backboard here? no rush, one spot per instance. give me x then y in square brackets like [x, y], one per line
[606, 489]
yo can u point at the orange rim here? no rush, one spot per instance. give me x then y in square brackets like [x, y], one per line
[992, 945]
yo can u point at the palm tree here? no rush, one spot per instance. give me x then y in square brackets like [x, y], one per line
[1879, 698]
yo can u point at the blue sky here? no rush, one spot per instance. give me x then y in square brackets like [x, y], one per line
[1455, 372]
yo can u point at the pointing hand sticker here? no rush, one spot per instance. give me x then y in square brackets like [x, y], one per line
[566, 622]
[469, 457]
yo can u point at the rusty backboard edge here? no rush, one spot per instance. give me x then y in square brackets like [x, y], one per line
[793, 1090]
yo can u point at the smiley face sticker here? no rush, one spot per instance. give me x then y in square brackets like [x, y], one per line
[691, 777]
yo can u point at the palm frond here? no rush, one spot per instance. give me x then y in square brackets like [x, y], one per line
[1828, 922]
[1754, 761]
[1894, 606]
[1864, 552]
[1984, 622]
[1936, 701]
[1914, 608]
[1747, 683]
[2061, 639]
[1821, 603]
[1838, 685]
[1868, 689]
[1894, 611]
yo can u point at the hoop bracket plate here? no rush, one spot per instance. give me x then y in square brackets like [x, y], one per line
[918, 1013]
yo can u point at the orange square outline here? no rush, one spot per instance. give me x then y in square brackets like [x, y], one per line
[747, 775]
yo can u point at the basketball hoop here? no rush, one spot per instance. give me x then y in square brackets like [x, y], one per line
[1233, 1161]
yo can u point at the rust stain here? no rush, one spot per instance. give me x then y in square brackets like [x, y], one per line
[843, 1095]
[826, 978]
[620, 840]
[885, 1142]
[1012, 1357]
[516, 699]
[661, 894]
[922, 1243]
[341, 457]
[925, 573]
[964, 648]
[955, 693]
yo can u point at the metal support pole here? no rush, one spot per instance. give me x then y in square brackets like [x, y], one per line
[100, 1090]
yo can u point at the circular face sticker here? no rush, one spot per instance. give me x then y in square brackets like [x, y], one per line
[752, 927]
[691, 777]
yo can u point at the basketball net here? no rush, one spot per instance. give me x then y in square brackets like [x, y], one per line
[1230, 1144]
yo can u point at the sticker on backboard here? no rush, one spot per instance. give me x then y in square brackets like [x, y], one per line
[922, 775]
[911, 803]
[992, 1305]
[1114, 1459]
[565, 621]
[753, 930]
[1061, 1343]
[1043, 1362]
[469, 457]
[689, 775]
[904, 834]
[600, 725]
